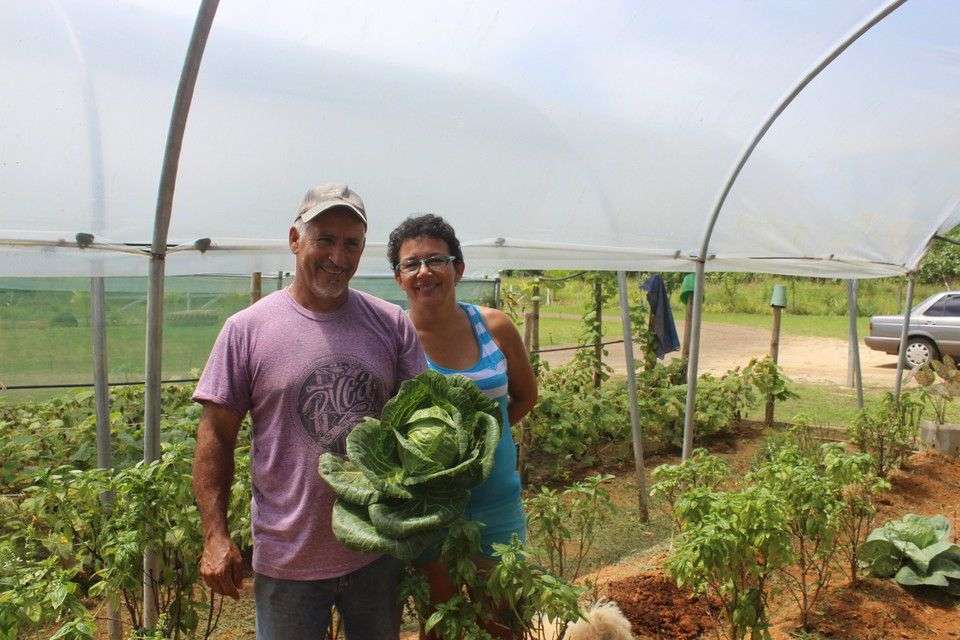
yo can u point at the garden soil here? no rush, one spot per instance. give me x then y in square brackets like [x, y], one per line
[803, 358]
[928, 484]
[657, 608]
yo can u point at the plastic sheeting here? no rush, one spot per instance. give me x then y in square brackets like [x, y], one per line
[581, 134]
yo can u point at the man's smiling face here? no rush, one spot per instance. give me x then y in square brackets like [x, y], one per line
[328, 250]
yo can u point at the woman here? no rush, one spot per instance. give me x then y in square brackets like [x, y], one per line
[477, 342]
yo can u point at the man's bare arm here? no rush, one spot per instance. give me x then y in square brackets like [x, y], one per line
[221, 565]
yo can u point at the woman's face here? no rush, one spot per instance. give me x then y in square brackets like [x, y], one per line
[427, 285]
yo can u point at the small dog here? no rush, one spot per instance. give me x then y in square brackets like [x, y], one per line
[603, 622]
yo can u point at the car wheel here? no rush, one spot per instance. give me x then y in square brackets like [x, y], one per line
[919, 352]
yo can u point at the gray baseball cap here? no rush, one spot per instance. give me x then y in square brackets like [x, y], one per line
[324, 197]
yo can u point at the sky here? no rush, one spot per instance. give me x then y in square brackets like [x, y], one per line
[635, 111]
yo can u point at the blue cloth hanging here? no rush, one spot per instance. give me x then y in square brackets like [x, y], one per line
[662, 316]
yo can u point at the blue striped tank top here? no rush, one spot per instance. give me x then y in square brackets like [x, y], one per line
[496, 503]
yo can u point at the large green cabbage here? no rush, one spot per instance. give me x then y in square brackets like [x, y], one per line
[409, 474]
[914, 550]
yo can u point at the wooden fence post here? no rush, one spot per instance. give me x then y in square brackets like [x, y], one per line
[778, 302]
[524, 445]
[598, 338]
[535, 325]
[256, 286]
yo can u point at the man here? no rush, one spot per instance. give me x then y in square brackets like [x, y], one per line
[308, 363]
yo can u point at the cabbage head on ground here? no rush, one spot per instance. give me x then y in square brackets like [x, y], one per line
[914, 551]
[408, 475]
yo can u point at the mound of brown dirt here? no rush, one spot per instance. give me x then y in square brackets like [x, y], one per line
[882, 610]
[929, 483]
[657, 608]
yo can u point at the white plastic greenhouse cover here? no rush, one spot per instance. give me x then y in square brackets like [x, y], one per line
[584, 134]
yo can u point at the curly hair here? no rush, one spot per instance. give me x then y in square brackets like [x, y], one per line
[428, 225]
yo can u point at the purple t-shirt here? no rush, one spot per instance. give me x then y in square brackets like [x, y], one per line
[307, 379]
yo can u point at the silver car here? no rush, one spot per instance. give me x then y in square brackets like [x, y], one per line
[934, 330]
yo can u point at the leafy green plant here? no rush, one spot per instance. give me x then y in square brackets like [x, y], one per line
[408, 474]
[563, 525]
[66, 540]
[769, 379]
[941, 264]
[813, 506]
[888, 430]
[914, 551]
[739, 391]
[853, 476]
[572, 418]
[730, 546]
[671, 481]
[532, 595]
[68, 527]
[515, 596]
[40, 592]
[939, 393]
[665, 407]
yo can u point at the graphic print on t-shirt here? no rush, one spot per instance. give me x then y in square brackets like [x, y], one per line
[338, 393]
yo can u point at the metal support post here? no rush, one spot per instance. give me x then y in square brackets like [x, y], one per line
[904, 334]
[854, 373]
[158, 254]
[98, 333]
[632, 396]
[694, 361]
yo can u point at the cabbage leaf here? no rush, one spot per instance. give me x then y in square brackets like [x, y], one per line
[408, 475]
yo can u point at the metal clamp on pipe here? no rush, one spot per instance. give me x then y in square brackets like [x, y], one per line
[84, 240]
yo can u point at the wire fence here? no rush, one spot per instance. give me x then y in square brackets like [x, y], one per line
[46, 333]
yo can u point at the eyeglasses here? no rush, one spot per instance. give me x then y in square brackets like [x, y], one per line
[434, 263]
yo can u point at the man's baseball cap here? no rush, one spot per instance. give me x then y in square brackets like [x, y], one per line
[324, 197]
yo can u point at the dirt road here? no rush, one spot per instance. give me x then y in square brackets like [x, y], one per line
[803, 358]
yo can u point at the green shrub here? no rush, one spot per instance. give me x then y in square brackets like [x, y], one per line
[516, 595]
[572, 418]
[194, 318]
[64, 319]
[67, 544]
[813, 505]
[853, 475]
[768, 379]
[671, 481]
[563, 525]
[730, 546]
[152, 508]
[887, 431]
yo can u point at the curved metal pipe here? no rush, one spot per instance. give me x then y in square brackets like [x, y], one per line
[161, 225]
[879, 15]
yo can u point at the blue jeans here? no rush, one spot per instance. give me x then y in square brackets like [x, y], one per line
[367, 600]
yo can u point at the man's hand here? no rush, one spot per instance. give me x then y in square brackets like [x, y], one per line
[221, 566]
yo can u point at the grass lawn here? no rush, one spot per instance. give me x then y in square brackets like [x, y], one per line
[557, 331]
[63, 354]
[820, 326]
[832, 405]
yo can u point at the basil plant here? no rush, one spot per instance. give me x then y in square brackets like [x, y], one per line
[408, 475]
